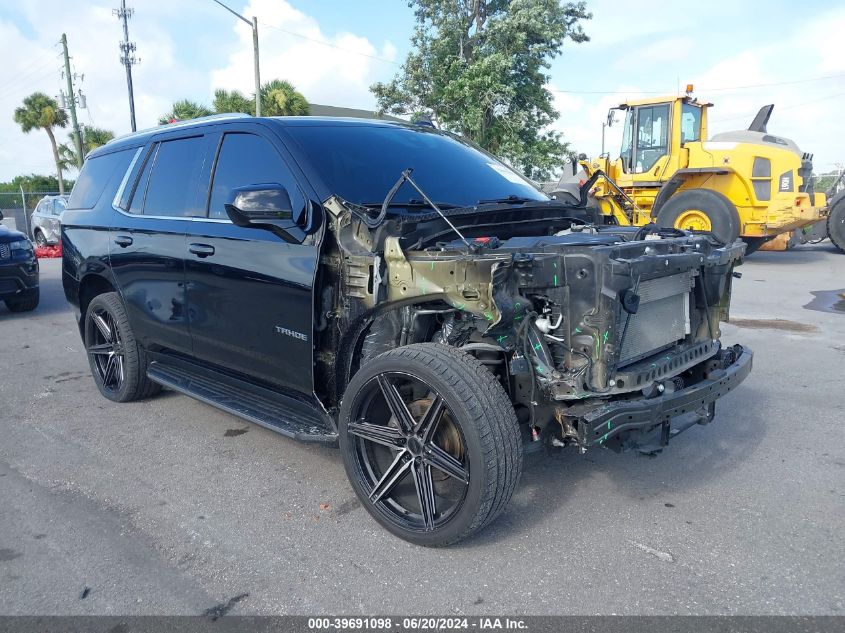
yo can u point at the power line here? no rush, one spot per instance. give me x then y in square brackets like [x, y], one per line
[715, 89]
[329, 44]
[775, 83]
[787, 107]
[38, 73]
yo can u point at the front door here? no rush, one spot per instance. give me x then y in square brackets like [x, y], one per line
[147, 250]
[249, 292]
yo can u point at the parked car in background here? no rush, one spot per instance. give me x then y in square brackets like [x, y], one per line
[47, 220]
[18, 271]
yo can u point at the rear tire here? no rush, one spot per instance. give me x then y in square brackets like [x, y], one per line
[24, 304]
[468, 461]
[118, 364]
[721, 213]
[40, 239]
[836, 225]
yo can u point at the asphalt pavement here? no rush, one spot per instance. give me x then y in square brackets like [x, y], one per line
[171, 507]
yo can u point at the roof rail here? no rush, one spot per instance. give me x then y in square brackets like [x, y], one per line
[186, 123]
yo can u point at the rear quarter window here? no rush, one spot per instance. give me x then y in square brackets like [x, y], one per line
[99, 174]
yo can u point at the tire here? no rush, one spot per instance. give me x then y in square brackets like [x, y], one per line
[836, 225]
[395, 464]
[40, 239]
[719, 211]
[24, 304]
[118, 365]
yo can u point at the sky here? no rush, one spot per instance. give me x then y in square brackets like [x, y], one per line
[739, 55]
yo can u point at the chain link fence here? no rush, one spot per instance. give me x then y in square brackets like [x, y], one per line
[17, 208]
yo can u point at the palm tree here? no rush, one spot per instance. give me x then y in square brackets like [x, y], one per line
[40, 111]
[280, 98]
[184, 109]
[92, 138]
[234, 101]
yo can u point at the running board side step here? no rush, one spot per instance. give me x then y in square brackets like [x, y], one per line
[250, 402]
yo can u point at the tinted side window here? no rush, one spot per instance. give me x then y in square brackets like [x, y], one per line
[96, 174]
[247, 159]
[173, 182]
[140, 190]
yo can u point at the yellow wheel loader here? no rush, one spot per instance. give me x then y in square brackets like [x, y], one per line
[749, 183]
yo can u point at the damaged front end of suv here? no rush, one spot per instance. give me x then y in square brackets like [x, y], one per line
[600, 335]
[591, 334]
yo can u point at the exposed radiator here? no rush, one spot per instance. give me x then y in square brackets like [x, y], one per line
[662, 318]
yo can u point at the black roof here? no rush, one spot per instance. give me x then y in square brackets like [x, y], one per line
[136, 139]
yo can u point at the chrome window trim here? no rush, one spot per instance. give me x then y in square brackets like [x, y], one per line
[119, 193]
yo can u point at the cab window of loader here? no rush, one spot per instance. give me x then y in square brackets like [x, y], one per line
[690, 123]
[652, 136]
[627, 141]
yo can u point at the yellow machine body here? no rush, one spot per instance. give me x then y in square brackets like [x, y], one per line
[665, 152]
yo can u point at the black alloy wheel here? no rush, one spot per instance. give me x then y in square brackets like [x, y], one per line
[118, 364]
[105, 348]
[430, 443]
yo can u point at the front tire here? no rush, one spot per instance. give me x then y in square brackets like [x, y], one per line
[40, 239]
[836, 225]
[118, 364]
[701, 210]
[27, 303]
[430, 443]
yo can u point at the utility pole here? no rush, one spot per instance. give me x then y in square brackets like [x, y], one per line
[254, 26]
[127, 56]
[255, 63]
[77, 137]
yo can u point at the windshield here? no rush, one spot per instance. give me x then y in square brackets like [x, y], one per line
[360, 163]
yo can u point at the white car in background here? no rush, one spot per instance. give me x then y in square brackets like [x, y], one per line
[46, 221]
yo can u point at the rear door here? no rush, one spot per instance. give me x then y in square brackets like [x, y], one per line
[147, 248]
[249, 292]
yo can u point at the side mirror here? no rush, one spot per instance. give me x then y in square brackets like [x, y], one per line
[611, 117]
[266, 206]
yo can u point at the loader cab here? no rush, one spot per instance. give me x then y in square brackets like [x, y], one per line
[654, 135]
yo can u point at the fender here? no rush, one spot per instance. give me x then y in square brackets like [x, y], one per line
[677, 179]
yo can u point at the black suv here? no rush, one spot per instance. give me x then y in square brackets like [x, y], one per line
[397, 291]
[18, 271]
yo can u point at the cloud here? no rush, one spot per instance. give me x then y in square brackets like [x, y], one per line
[93, 33]
[332, 70]
[738, 81]
[187, 49]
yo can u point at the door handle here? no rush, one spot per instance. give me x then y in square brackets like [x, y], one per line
[201, 250]
[123, 241]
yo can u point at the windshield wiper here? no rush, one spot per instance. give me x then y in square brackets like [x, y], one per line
[508, 200]
[388, 200]
[412, 203]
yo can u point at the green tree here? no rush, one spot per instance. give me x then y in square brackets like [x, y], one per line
[183, 110]
[92, 138]
[232, 101]
[40, 111]
[35, 184]
[479, 68]
[280, 98]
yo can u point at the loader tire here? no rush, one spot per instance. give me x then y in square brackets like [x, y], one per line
[704, 210]
[836, 225]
